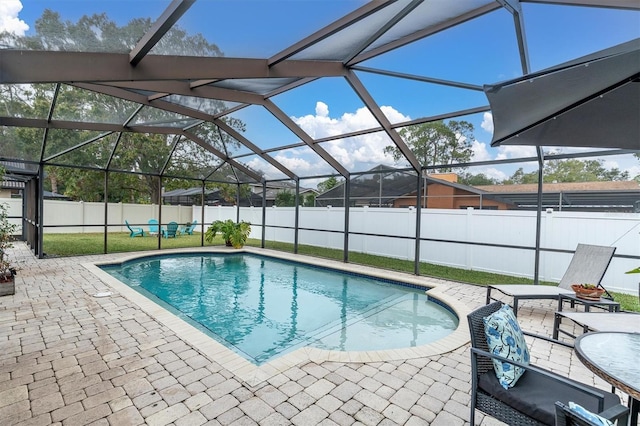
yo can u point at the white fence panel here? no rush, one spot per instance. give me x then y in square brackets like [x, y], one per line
[445, 233]
[60, 213]
[508, 227]
[314, 220]
[87, 217]
[14, 209]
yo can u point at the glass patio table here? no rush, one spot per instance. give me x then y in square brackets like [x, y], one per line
[615, 357]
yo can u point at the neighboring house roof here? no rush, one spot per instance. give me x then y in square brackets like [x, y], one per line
[396, 184]
[565, 186]
[574, 195]
[278, 186]
[11, 184]
[187, 192]
[54, 196]
[601, 195]
[185, 196]
[15, 175]
[307, 190]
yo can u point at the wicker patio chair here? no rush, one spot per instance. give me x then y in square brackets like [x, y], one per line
[566, 417]
[532, 400]
[588, 266]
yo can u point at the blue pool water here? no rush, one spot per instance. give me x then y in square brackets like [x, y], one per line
[263, 307]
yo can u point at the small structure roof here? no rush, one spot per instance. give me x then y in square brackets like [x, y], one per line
[609, 195]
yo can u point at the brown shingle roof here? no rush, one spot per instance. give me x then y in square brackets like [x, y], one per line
[563, 187]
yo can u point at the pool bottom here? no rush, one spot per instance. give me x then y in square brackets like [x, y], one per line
[254, 374]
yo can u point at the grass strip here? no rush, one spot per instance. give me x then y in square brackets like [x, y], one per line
[83, 244]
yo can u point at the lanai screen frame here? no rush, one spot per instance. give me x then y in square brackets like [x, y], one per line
[146, 79]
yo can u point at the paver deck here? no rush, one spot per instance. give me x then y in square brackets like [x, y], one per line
[70, 358]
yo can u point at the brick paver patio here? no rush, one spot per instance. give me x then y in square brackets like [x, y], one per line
[69, 358]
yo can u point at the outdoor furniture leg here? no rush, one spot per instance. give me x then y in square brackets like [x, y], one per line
[634, 407]
[488, 296]
[556, 324]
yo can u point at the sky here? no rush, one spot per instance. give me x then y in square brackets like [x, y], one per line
[481, 51]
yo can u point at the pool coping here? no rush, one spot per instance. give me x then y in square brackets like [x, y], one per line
[253, 374]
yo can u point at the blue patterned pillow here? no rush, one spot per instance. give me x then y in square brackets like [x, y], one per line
[588, 415]
[505, 339]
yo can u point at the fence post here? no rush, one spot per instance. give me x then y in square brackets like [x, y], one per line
[468, 255]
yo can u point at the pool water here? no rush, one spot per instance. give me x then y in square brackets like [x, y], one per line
[263, 307]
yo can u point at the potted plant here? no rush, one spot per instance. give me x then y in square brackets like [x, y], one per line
[234, 234]
[7, 272]
[588, 291]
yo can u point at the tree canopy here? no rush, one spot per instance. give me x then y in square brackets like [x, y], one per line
[326, 185]
[135, 160]
[569, 170]
[437, 143]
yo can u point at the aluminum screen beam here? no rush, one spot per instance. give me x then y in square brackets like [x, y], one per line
[329, 30]
[287, 121]
[382, 119]
[27, 66]
[615, 4]
[203, 144]
[246, 142]
[170, 16]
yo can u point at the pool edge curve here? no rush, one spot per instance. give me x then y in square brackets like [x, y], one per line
[254, 374]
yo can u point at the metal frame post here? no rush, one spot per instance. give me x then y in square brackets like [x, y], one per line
[416, 261]
[106, 209]
[264, 211]
[536, 268]
[297, 217]
[40, 211]
[347, 194]
[202, 215]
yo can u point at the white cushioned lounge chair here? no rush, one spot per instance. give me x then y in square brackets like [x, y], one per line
[588, 266]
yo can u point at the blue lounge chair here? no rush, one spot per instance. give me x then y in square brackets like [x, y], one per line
[134, 231]
[189, 229]
[172, 228]
[154, 227]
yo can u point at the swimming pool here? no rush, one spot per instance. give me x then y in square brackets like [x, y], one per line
[262, 307]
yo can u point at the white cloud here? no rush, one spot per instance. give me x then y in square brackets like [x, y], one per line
[480, 152]
[515, 151]
[269, 171]
[9, 20]
[487, 122]
[351, 152]
[633, 171]
[494, 173]
[626, 163]
[298, 165]
[322, 109]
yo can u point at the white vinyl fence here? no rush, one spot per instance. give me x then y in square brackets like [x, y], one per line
[496, 241]
[85, 217]
[485, 240]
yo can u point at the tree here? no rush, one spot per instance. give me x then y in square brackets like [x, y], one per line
[148, 155]
[520, 177]
[309, 200]
[285, 198]
[328, 184]
[437, 143]
[476, 180]
[570, 170]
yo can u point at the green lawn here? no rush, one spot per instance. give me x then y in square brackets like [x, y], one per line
[83, 244]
